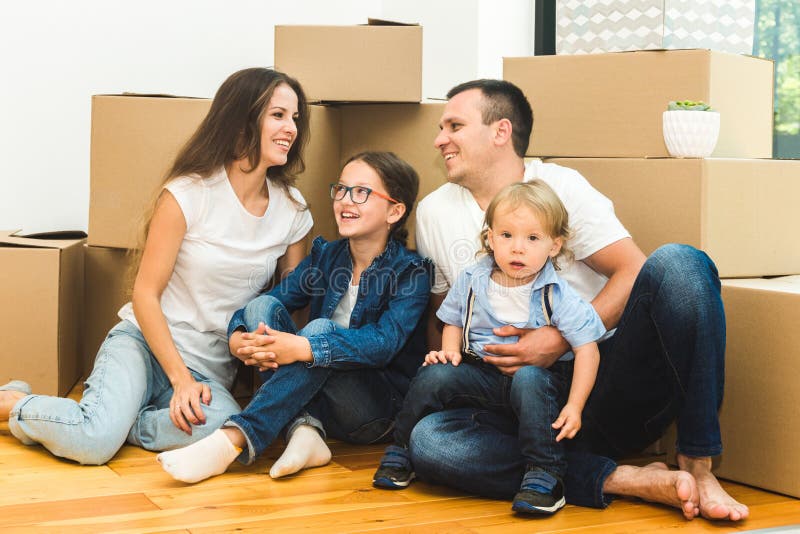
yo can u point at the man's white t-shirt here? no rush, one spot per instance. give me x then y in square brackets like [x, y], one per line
[226, 258]
[449, 223]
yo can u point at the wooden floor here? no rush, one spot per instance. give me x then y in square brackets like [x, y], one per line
[132, 494]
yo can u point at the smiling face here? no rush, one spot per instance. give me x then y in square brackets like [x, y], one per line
[278, 128]
[520, 244]
[373, 218]
[464, 141]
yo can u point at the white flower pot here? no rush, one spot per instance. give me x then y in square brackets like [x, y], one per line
[691, 134]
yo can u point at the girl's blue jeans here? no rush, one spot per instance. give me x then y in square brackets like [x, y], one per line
[355, 405]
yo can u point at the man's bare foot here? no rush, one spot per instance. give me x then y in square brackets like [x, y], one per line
[7, 401]
[656, 483]
[715, 503]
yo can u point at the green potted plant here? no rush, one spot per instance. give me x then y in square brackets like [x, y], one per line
[691, 129]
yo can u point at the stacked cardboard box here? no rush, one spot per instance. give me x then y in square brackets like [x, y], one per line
[601, 114]
[135, 138]
[376, 62]
[41, 296]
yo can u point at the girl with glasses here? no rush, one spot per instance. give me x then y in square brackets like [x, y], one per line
[344, 374]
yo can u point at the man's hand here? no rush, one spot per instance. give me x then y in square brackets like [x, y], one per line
[539, 346]
[442, 356]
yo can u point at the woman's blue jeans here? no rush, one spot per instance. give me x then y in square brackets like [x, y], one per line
[126, 398]
[356, 405]
[665, 362]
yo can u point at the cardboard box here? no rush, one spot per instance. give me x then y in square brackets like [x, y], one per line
[586, 27]
[41, 291]
[760, 415]
[611, 105]
[739, 211]
[377, 62]
[131, 153]
[134, 142]
[107, 289]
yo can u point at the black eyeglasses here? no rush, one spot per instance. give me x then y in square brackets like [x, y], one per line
[358, 193]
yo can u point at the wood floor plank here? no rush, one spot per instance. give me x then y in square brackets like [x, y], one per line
[32, 513]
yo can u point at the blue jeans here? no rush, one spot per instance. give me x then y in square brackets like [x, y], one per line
[126, 398]
[665, 362]
[355, 405]
[533, 398]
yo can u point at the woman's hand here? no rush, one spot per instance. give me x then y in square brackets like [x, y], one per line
[185, 407]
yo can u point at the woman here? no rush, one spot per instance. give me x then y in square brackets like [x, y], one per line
[225, 218]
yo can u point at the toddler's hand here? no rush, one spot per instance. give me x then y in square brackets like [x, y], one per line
[442, 356]
[569, 421]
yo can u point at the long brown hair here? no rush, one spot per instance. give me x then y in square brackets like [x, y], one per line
[231, 131]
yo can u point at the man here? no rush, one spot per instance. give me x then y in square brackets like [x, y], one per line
[664, 362]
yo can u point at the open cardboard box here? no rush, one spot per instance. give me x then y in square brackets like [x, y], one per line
[41, 288]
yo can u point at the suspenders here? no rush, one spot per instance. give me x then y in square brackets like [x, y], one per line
[468, 354]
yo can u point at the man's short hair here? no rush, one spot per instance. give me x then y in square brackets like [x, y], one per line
[503, 100]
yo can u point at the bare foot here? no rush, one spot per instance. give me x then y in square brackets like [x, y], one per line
[656, 483]
[715, 503]
[7, 401]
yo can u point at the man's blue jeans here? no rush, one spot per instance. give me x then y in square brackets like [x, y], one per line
[665, 362]
[355, 405]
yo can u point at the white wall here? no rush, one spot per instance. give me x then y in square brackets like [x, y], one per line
[54, 55]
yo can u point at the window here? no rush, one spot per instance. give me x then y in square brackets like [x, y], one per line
[777, 37]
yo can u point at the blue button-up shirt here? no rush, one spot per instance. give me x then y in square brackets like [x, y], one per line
[386, 330]
[575, 318]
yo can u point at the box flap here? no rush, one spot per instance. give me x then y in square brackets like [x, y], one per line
[783, 284]
[383, 22]
[61, 239]
[149, 95]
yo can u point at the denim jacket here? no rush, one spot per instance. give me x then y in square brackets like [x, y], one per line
[386, 330]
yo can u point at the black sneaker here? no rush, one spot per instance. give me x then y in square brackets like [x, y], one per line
[395, 471]
[540, 493]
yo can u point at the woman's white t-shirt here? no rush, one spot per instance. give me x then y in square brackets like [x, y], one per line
[226, 258]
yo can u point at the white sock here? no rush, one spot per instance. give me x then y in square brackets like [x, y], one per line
[205, 458]
[306, 448]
